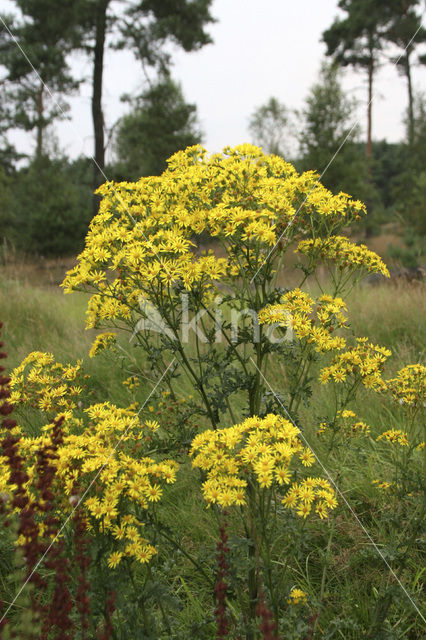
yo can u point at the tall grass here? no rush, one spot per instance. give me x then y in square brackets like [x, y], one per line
[42, 318]
[38, 318]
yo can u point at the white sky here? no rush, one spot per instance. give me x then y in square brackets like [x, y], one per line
[261, 48]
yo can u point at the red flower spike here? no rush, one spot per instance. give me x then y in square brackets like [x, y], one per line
[267, 625]
[221, 586]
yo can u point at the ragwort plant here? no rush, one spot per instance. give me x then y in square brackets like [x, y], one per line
[205, 331]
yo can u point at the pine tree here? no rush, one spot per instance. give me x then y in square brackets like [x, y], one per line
[160, 123]
[357, 40]
[145, 27]
[328, 130]
[406, 32]
[33, 54]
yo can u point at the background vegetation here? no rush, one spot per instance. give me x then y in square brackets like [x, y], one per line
[46, 196]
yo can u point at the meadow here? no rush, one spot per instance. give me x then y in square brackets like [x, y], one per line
[43, 318]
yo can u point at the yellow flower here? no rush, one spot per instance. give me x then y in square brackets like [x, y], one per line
[408, 388]
[309, 492]
[382, 485]
[261, 448]
[365, 362]
[394, 436]
[290, 499]
[153, 493]
[302, 314]
[304, 509]
[41, 382]
[345, 253]
[145, 553]
[114, 559]
[282, 474]
[297, 596]
[242, 196]
[102, 341]
[307, 457]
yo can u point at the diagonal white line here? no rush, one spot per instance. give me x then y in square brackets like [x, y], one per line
[290, 224]
[405, 49]
[84, 495]
[333, 482]
[91, 157]
[326, 168]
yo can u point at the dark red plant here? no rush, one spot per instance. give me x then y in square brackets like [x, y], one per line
[221, 586]
[35, 548]
[57, 615]
[109, 610]
[267, 624]
[82, 559]
[27, 524]
[312, 621]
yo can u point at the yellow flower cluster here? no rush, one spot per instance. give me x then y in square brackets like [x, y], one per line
[394, 436]
[297, 596]
[409, 385]
[108, 451]
[103, 341]
[304, 495]
[261, 450]
[346, 424]
[132, 382]
[365, 361]
[140, 244]
[133, 544]
[344, 253]
[311, 321]
[383, 485]
[43, 383]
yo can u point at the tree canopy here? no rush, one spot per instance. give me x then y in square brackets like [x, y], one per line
[269, 126]
[160, 123]
[357, 40]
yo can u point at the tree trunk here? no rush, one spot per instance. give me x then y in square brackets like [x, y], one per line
[369, 147]
[407, 65]
[97, 113]
[40, 123]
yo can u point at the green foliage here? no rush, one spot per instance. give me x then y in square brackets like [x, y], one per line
[6, 198]
[328, 127]
[23, 620]
[44, 35]
[50, 207]
[357, 38]
[147, 26]
[406, 32]
[413, 253]
[408, 191]
[36, 317]
[389, 162]
[160, 123]
[269, 126]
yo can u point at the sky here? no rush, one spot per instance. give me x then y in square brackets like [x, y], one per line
[261, 48]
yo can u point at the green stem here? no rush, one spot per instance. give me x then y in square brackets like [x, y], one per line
[184, 552]
[252, 569]
[325, 570]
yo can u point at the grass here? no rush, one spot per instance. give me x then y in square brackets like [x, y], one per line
[42, 318]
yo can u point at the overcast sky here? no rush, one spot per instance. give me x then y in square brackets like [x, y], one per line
[261, 48]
